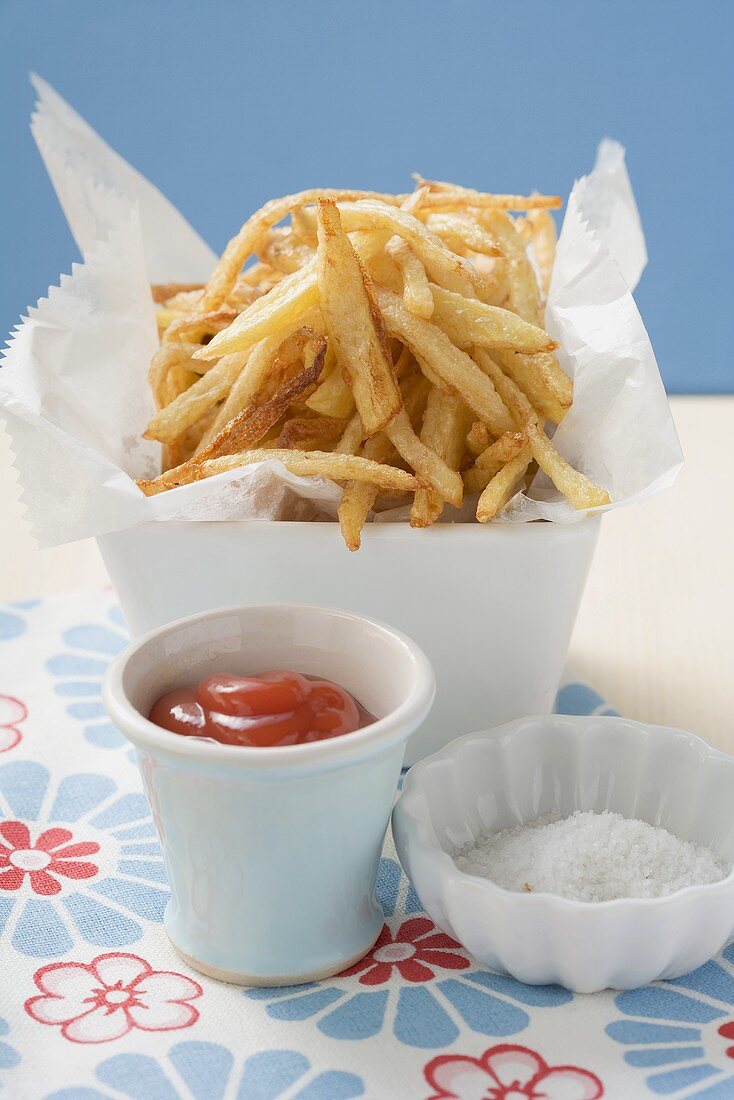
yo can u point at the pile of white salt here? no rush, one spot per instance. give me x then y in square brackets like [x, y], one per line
[591, 857]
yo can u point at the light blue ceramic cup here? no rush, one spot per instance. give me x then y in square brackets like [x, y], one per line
[272, 854]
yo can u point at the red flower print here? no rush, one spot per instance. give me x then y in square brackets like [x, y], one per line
[50, 855]
[12, 713]
[415, 950]
[103, 1000]
[508, 1072]
[727, 1031]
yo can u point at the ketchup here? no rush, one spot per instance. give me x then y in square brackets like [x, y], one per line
[273, 708]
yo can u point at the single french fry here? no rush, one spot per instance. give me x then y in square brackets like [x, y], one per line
[352, 436]
[578, 489]
[457, 371]
[543, 236]
[444, 430]
[503, 486]
[285, 304]
[477, 438]
[358, 497]
[416, 290]
[353, 323]
[468, 321]
[451, 194]
[329, 464]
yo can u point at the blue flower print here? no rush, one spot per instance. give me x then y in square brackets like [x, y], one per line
[89, 649]
[416, 978]
[208, 1071]
[78, 860]
[12, 620]
[680, 1033]
[9, 1056]
[578, 698]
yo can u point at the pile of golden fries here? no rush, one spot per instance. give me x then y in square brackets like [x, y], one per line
[392, 343]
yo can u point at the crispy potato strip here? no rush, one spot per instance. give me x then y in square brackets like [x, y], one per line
[468, 321]
[329, 464]
[477, 438]
[438, 193]
[543, 237]
[359, 496]
[353, 323]
[287, 302]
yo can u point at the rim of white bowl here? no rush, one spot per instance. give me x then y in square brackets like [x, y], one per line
[544, 897]
[540, 528]
[141, 731]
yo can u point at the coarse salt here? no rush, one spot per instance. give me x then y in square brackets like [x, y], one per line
[591, 857]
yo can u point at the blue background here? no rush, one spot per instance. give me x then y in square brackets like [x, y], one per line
[225, 104]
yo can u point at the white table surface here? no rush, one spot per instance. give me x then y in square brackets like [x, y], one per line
[656, 627]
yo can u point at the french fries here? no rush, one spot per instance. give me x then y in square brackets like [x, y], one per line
[456, 370]
[394, 344]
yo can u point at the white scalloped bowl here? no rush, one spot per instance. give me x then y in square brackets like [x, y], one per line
[488, 781]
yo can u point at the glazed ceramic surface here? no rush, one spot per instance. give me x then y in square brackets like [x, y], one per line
[492, 606]
[272, 854]
[485, 782]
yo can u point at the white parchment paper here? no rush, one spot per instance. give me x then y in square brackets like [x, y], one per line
[73, 384]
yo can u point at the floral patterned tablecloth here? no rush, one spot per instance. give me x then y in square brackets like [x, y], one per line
[95, 1005]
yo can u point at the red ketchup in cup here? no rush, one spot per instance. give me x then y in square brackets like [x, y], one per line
[272, 708]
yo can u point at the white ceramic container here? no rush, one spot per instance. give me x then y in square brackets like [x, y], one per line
[485, 782]
[492, 606]
[272, 854]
